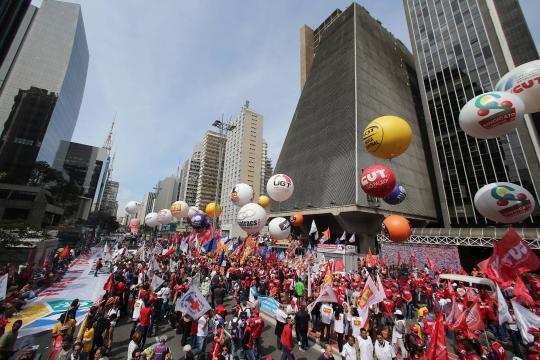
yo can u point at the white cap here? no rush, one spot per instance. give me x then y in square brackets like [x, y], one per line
[186, 348]
[398, 312]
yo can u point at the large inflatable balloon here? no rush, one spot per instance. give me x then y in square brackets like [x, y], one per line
[251, 218]
[133, 207]
[524, 82]
[211, 208]
[151, 219]
[378, 181]
[199, 221]
[504, 202]
[280, 187]
[279, 228]
[397, 228]
[165, 216]
[264, 201]
[491, 115]
[242, 194]
[396, 196]
[192, 211]
[179, 209]
[134, 225]
[387, 136]
[296, 219]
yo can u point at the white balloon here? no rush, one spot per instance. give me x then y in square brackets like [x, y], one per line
[279, 228]
[242, 194]
[165, 216]
[504, 202]
[251, 218]
[491, 115]
[151, 219]
[524, 82]
[133, 207]
[280, 187]
[179, 209]
[192, 211]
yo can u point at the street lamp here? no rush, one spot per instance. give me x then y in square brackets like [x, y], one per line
[223, 129]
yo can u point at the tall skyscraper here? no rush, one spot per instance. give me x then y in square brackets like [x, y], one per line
[207, 183]
[51, 61]
[355, 71]
[147, 204]
[243, 162]
[84, 164]
[461, 50]
[109, 205]
[167, 194]
[189, 176]
[266, 168]
[12, 13]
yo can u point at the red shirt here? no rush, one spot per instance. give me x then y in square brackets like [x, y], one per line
[257, 325]
[120, 288]
[498, 350]
[286, 337]
[428, 326]
[407, 296]
[144, 319]
[388, 306]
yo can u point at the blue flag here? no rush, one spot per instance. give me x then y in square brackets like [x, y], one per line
[210, 246]
[221, 258]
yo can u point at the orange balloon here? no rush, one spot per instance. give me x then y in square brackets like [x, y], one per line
[397, 228]
[296, 219]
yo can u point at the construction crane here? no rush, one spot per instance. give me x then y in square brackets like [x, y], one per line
[109, 140]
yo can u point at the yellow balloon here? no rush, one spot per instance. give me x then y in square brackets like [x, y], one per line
[210, 209]
[264, 201]
[387, 137]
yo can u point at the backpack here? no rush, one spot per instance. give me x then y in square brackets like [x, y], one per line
[236, 332]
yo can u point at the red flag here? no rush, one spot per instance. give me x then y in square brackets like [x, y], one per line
[205, 236]
[65, 253]
[511, 257]
[430, 264]
[192, 238]
[218, 234]
[472, 295]
[339, 265]
[370, 259]
[437, 344]
[535, 283]
[470, 320]
[521, 292]
[170, 251]
[109, 284]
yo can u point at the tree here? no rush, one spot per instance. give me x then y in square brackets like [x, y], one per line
[105, 221]
[12, 231]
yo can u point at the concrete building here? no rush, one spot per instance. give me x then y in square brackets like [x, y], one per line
[147, 203]
[189, 176]
[266, 169]
[44, 79]
[12, 13]
[85, 164]
[355, 71]
[167, 193]
[244, 157]
[207, 183]
[109, 205]
[461, 50]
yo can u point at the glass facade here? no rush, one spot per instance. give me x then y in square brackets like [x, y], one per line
[54, 59]
[456, 59]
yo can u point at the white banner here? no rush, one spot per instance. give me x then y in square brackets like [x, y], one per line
[156, 282]
[525, 320]
[158, 249]
[336, 249]
[193, 303]
[3, 286]
[503, 313]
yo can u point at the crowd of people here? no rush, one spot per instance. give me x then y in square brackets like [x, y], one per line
[406, 307]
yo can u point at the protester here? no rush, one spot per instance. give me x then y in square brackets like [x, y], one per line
[7, 341]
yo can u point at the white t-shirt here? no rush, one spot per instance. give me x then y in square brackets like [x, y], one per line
[164, 293]
[384, 351]
[356, 325]
[338, 324]
[291, 309]
[327, 312]
[348, 352]
[202, 327]
[366, 348]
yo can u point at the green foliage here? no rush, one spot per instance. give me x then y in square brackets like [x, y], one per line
[105, 221]
[11, 231]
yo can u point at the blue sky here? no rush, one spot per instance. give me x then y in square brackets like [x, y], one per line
[169, 69]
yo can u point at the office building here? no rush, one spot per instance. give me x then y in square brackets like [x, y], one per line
[48, 70]
[12, 13]
[109, 205]
[461, 50]
[147, 206]
[189, 176]
[208, 184]
[352, 71]
[84, 164]
[244, 157]
[167, 193]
